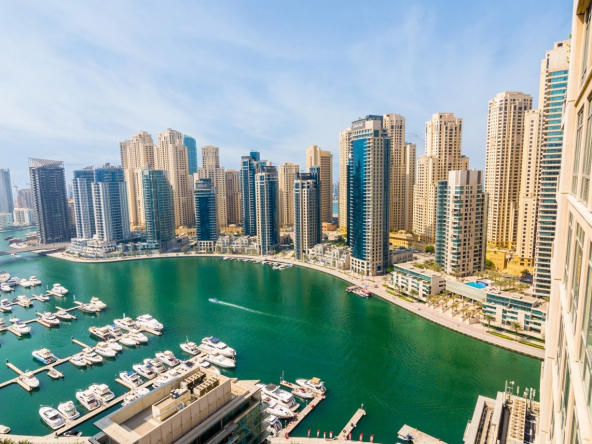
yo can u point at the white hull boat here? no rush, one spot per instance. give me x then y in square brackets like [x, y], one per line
[206, 365]
[29, 379]
[277, 394]
[314, 384]
[89, 355]
[5, 288]
[156, 364]
[78, 361]
[127, 340]
[97, 303]
[50, 318]
[216, 345]
[64, 315]
[168, 358]
[276, 409]
[103, 349]
[115, 346]
[138, 336]
[131, 378]
[88, 400]
[68, 410]
[147, 371]
[149, 322]
[220, 361]
[126, 324]
[190, 347]
[5, 305]
[24, 283]
[52, 417]
[102, 392]
[21, 327]
[58, 289]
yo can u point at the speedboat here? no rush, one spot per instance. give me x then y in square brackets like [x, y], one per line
[315, 384]
[214, 300]
[5, 287]
[127, 340]
[273, 424]
[5, 305]
[303, 393]
[131, 378]
[12, 282]
[277, 394]
[34, 281]
[148, 322]
[213, 344]
[4, 430]
[114, 330]
[88, 400]
[275, 408]
[138, 336]
[97, 303]
[42, 297]
[68, 409]
[44, 356]
[190, 347]
[102, 392]
[50, 318]
[115, 346]
[52, 417]
[103, 349]
[53, 373]
[57, 288]
[90, 355]
[64, 315]
[23, 301]
[206, 365]
[24, 283]
[29, 379]
[156, 364]
[72, 433]
[20, 326]
[220, 361]
[168, 358]
[147, 371]
[126, 323]
[78, 361]
[101, 332]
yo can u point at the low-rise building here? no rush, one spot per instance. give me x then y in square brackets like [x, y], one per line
[93, 248]
[400, 254]
[405, 239]
[237, 245]
[416, 282]
[6, 221]
[329, 255]
[23, 216]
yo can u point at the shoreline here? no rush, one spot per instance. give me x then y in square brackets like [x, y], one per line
[414, 307]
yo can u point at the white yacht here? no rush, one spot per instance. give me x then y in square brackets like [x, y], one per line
[50, 318]
[88, 308]
[273, 424]
[24, 283]
[2, 323]
[114, 330]
[115, 346]
[88, 400]
[34, 281]
[103, 349]
[138, 336]
[63, 314]
[277, 409]
[4, 430]
[132, 396]
[68, 409]
[206, 365]
[216, 345]
[44, 356]
[156, 364]
[52, 417]
[102, 333]
[161, 380]
[29, 379]
[97, 303]
[190, 347]
[90, 355]
[131, 378]
[78, 361]
[147, 371]
[23, 301]
[57, 288]
[315, 384]
[5, 287]
[168, 358]
[126, 323]
[148, 322]
[274, 392]
[42, 297]
[303, 393]
[102, 392]
[219, 360]
[5, 305]
[20, 326]
[126, 339]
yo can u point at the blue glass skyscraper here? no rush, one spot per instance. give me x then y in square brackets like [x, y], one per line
[159, 208]
[267, 198]
[191, 146]
[248, 170]
[206, 223]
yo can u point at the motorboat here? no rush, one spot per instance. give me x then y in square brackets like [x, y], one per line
[103, 349]
[315, 384]
[4, 430]
[12, 282]
[24, 283]
[57, 288]
[126, 339]
[215, 344]
[156, 364]
[90, 355]
[206, 365]
[64, 315]
[97, 303]
[29, 379]
[190, 347]
[277, 409]
[50, 318]
[277, 394]
[34, 281]
[126, 324]
[132, 396]
[114, 330]
[131, 378]
[20, 327]
[102, 333]
[220, 361]
[54, 374]
[44, 356]
[303, 393]
[174, 372]
[148, 322]
[138, 336]
[52, 417]
[273, 425]
[186, 365]
[115, 346]
[42, 297]
[23, 301]
[2, 323]
[5, 305]
[87, 308]
[161, 380]
[78, 361]
[168, 358]
[214, 300]
[102, 392]
[72, 433]
[147, 371]
[88, 400]
[5, 287]
[68, 409]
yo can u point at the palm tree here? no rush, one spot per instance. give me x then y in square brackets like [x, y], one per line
[489, 319]
[516, 327]
[413, 293]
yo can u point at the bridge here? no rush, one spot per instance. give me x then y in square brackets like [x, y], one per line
[40, 249]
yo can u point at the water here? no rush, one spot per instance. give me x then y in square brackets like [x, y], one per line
[477, 284]
[15, 234]
[335, 208]
[404, 369]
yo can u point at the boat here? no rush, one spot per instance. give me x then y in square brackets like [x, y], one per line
[7, 238]
[101, 333]
[277, 409]
[138, 336]
[2, 323]
[58, 289]
[24, 283]
[72, 433]
[161, 380]
[5, 287]
[42, 297]
[87, 308]
[206, 365]
[102, 392]
[29, 379]
[190, 347]
[64, 315]
[116, 346]
[132, 396]
[12, 282]
[23, 301]
[103, 349]
[20, 326]
[52, 417]
[303, 393]
[4, 430]
[97, 303]
[127, 340]
[315, 384]
[406, 438]
[49, 318]
[156, 364]
[273, 425]
[68, 409]
[88, 400]
[219, 360]
[90, 355]
[168, 358]
[5, 305]
[277, 394]
[34, 281]
[147, 371]
[44, 356]
[78, 361]
[213, 344]
[114, 330]
[54, 374]
[131, 378]
[126, 324]
[214, 300]
[149, 322]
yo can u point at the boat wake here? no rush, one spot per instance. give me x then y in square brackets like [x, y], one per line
[240, 307]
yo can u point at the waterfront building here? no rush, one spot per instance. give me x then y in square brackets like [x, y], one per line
[233, 197]
[24, 199]
[23, 216]
[170, 155]
[48, 189]
[84, 215]
[307, 211]
[344, 155]
[287, 174]
[136, 155]
[111, 209]
[316, 157]
[368, 177]
[211, 170]
[6, 221]
[416, 282]
[206, 225]
[159, 208]
[329, 255]
[237, 245]
[503, 165]
[191, 146]
[6, 200]
[267, 208]
[247, 188]
[460, 223]
[442, 154]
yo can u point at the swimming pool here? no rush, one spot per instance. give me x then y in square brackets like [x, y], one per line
[477, 284]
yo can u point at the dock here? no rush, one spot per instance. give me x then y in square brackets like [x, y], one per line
[300, 416]
[418, 436]
[352, 423]
[80, 343]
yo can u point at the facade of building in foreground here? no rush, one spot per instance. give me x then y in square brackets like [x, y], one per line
[158, 208]
[307, 211]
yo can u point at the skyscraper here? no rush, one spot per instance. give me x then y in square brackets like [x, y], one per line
[344, 155]
[409, 167]
[316, 157]
[247, 177]
[191, 146]
[24, 199]
[460, 223]
[307, 211]
[368, 179]
[159, 208]
[48, 189]
[267, 208]
[287, 174]
[394, 124]
[170, 155]
[503, 165]
[211, 170]
[442, 154]
[205, 211]
[6, 200]
[111, 209]
[84, 213]
[233, 197]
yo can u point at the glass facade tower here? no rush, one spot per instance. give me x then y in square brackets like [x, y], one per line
[159, 208]
[205, 211]
[191, 146]
[247, 184]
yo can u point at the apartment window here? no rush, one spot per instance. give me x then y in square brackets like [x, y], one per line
[586, 335]
[576, 271]
[567, 255]
[586, 41]
[584, 189]
[576, 164]
[575, 430]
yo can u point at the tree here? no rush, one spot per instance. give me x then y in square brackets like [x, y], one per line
[489, 319]
[489, 264]
[430, 249]
[184, 249]
[516, 327]
[524, 273]
[413, 293]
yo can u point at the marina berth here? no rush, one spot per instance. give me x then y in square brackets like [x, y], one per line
[147, 371]
[68, 410]
[102, 392]
[44, 356]
[126, 324]
[315, 384]
[78, 360]
[88, 400]
[103, 349]
[168, 358]
[52, 417]
[131, 378]
[29, 379]
[149, 322]
[156, 364]
[220, 361]
[216, 345]
[277, 394]
[190, 347]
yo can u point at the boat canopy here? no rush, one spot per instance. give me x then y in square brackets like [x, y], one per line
[129, 372]
[270, 387]
[214, 340]
[315, 381]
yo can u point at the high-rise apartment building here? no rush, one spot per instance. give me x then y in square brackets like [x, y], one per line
[442, 154]
[191, 146]
[316, 157]
[233, 197]
[267, 208]
[111, 209]
[287, 175]
[248, 170]
[394, 124]
[6, 200]
[307, 211]
[23, 216]
[205, 211]
[368, 179]
[503, 165]
[48, 189]
[136, 154]
[409, 170]
[84, 210]
[460, 223]
[159, 208]
[211, 170]
[344, 155]
[24, 199]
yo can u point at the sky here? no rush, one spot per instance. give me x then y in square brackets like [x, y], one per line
[77, 78]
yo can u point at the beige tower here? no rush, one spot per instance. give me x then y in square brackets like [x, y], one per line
[233, 197]
[394, 124]
[171, 156]
[409, 164]
[344, 155]
[287, 174]
[136, 153]
[315, 156]
[503, 165]
[442, 155]
[211, 170]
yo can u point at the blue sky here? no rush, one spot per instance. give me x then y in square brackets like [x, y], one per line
[76, 78]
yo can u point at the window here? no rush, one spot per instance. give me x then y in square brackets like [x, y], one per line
[576, 271]
[576, 164]
[567, 254]
[586, 41]
[584, 189]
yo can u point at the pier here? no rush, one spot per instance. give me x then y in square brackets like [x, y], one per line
[300, 416]
[418, 436]
[352, 423]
